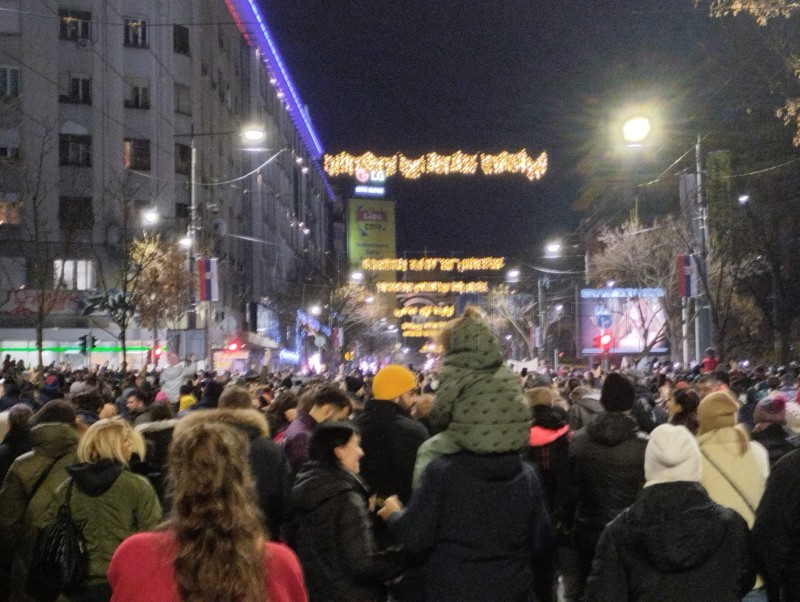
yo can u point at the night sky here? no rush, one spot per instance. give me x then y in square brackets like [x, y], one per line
[417, 76]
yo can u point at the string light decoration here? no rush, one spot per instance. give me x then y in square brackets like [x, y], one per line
[346, 164]
[426, 311]
[458, 286]
[427, 264]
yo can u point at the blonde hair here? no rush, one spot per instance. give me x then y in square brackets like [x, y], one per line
[104, 440]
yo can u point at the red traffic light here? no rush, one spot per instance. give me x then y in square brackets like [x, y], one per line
[158, 351]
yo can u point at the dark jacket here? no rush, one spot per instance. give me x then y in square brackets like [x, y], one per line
[334, 538]
[268, 462]
[776, 532]
[584, 411]
[606, 472]
[15, 443]
[777, 439]
[673, 543]
[157, 437]
[483, 520]
[548, 450]
[390, 439]
[296, 438]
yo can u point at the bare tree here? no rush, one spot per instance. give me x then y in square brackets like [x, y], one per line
[161, 291]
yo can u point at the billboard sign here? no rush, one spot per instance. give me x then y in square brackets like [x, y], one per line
[370, 230]
[622, 321]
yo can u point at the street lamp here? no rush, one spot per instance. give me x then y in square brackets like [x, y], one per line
[636, 130]
[150, 217]
[357, 276]
[553, 248]
[316, 310]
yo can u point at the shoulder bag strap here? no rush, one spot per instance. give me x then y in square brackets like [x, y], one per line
[731, 481]
[43, 476]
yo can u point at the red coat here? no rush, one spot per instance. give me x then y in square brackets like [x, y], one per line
[141, 569]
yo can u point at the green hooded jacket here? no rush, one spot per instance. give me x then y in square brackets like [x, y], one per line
[479, 400]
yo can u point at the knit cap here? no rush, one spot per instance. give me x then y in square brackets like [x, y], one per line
[716, 410]
[771, 409]
[617, 394]
[392, 381]
[672, 454]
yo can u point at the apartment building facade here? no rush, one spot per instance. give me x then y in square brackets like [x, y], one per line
[100, 104]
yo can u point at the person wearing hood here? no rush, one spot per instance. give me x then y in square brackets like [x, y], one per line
[268, 462]
[673, 542]
[334, 535]
[111, 501]
[606, 469]
[585, 406]
[29, 486]
[479, 405]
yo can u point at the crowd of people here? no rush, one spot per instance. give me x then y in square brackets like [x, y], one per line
[466, 483]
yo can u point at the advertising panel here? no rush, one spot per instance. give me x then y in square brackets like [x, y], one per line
[622, 320]
[370, 229]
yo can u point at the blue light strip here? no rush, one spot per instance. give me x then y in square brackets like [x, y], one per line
[297, 111]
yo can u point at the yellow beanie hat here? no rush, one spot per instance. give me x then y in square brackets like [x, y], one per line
[392, 381]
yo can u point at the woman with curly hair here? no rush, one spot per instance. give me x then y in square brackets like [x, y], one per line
[212, 546]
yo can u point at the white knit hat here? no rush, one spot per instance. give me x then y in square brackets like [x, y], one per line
[672, 454]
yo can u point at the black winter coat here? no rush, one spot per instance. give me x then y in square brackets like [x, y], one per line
[776, 532]
[777, 440]
[390, 439]
[606, 472]
[334, 538]
[15, 443]
[483, 519]
[673, 543]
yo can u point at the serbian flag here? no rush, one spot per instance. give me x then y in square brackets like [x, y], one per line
[687, 276]
[207, 279]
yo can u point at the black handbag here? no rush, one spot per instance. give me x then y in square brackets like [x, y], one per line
[60, 560]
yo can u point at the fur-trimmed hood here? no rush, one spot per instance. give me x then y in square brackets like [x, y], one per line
[156, 426]
[252, 422]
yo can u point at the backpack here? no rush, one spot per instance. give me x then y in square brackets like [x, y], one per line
[60, 560]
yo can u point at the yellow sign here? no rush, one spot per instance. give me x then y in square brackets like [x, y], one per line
[426, 311]
[433, 287]
[427, 264]
[370, 229]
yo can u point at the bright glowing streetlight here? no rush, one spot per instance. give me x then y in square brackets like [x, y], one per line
[357, 276]
[150, 217]
[553, 248]
[254, 135]
[186, 242]
[316, 310]
[636, 130]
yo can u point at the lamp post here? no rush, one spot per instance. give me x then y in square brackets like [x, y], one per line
[636, 130]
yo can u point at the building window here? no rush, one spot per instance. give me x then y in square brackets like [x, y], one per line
[180, 39]
[183, 99]
[75, 150]
[137, 93]
[9, 82]
[183, 159]
[75, 24]
[74, 274]
[75, 88]
[135, 32]
[136, 154]
[75, 213]
[9, 213]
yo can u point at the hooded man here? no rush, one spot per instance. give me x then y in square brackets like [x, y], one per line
[673, 542]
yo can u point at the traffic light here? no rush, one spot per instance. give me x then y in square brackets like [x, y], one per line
[92, 342]
[157, 351]
[83, 344]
